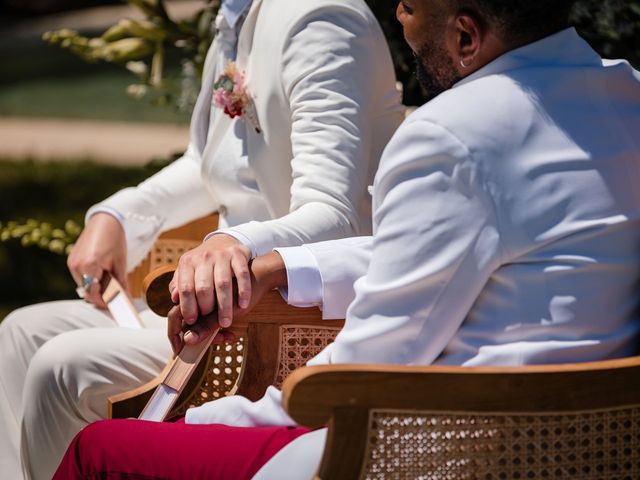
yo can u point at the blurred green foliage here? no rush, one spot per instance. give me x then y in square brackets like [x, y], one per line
[52, 193]
[611, 26]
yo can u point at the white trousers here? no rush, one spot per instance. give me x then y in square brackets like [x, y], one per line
[299, 460]
[59, 361]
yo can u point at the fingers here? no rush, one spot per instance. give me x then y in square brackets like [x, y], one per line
[100, 248]
[224, 293]
[174, 329]
[186, 292]
[203, 281]
[173, 288]
[201, 330]
[93, 294]
[241, 271]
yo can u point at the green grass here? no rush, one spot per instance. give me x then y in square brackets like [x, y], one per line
[51, 192]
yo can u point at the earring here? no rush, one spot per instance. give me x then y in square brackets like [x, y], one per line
[462, 64]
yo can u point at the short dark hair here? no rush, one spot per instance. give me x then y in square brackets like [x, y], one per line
[520, 21]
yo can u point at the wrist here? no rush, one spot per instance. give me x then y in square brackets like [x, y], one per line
[104, 218]
[270, 270]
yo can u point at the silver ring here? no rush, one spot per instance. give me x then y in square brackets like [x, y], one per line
[87, 281]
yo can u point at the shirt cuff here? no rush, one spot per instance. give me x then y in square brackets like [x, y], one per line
[102, 209]
[303, 277]
[241, 237]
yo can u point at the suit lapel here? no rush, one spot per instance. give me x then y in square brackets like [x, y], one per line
[220, 123]
[245, 40]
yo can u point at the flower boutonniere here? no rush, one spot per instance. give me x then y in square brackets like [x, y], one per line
[230, 93]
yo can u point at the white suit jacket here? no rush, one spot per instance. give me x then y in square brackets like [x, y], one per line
[506, 226]
[321, 78]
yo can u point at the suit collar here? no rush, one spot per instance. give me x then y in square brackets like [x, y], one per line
[564, 48]
[233, 10]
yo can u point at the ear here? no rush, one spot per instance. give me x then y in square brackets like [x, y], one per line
[468, 42]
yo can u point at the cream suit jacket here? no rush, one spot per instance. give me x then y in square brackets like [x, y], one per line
[322, 82]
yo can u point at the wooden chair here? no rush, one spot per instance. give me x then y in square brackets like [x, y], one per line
[577, 421]
[388, 422]
[271, 342]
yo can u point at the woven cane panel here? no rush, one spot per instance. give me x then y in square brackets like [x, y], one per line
[224, 363]
[298, 344]
[420, 445]
[168, 252]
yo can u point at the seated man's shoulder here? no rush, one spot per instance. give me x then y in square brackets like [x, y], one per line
[321, 7]
[488, 113]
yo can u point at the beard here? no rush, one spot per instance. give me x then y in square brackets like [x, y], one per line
[435, 70]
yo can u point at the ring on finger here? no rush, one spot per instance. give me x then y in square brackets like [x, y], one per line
[87, 281]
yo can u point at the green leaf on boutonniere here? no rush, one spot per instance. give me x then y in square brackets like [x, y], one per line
[225, 82]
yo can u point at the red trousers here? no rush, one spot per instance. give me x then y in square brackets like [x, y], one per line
[135, 449]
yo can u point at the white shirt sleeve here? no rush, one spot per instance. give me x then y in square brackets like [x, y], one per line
[242, 412]
[323, 273]
[436, 243]
[303, 277]
[340, 263]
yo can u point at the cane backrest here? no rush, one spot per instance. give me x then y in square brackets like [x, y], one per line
[272, 340]
[567, 421]
[407, 445]
[169, 247]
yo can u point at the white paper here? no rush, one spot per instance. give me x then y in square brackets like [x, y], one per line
[160, 404]
[123, 313]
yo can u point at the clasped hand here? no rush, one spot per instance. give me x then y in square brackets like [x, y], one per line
[202, 286]
[204, 279]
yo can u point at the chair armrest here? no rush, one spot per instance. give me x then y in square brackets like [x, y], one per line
[345, 397]
[310, 394]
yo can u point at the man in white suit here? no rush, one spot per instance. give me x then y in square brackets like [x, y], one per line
[324, 103]
[506, 220]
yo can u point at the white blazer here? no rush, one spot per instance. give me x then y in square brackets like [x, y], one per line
[506, 221]
[506, 227]
[322, 82]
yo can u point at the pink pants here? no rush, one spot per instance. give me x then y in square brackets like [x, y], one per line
[135, 449]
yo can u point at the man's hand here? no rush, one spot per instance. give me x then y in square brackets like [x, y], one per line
[101, 248]
[266, 273]
[204, 279]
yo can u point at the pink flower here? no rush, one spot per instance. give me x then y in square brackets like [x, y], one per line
[230, 94]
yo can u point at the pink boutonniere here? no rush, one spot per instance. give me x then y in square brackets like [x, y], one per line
[230, 93]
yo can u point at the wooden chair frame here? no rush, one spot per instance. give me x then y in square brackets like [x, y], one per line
[262, 361]
[344, 396]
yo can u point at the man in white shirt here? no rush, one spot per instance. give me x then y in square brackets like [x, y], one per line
[323, 103]
[506, 219]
